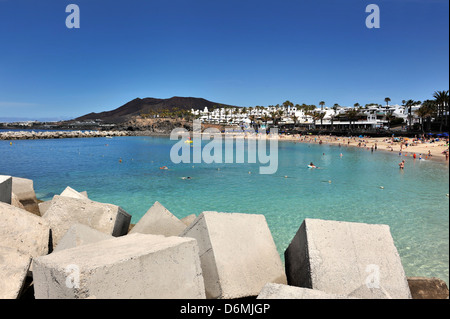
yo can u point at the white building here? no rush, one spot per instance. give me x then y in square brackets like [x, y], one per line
[374, 116]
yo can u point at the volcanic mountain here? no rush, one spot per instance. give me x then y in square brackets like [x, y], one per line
[139, 106]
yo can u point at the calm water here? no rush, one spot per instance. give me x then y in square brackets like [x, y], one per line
[413, 202]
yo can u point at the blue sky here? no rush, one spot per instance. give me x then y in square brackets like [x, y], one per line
[242, 53]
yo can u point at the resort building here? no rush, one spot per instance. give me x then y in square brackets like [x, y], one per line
[337, 117]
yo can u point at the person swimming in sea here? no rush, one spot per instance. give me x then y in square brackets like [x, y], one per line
[402, 164]
[311, 165]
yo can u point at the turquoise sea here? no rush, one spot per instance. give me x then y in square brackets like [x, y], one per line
[360, 186]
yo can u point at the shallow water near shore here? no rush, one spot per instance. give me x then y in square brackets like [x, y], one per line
[360, 186]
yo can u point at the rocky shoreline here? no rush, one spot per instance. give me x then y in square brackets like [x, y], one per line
[72, 247]
[33, 135]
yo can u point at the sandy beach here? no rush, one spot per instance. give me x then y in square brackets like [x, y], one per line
[406, 146]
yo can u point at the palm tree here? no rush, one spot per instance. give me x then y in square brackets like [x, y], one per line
[335, 108]
[387, 100]
[426, 111]
[280, 114]
[352, 115]
[409, 104]
[265, 118]
[389, 117]
[322, 104]
[288, 103]
[295, 119]
[274, 116]
[315, 115]
[442, 101]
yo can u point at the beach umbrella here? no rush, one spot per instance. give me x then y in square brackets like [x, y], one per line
[445, 134]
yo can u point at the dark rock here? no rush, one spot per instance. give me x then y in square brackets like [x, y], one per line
[428, 288]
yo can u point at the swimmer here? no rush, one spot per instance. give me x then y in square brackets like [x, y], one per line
[341, 155]
[311, 165]
[402, 164]
[188, 177]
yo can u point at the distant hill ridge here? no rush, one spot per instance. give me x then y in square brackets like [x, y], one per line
[139, 106]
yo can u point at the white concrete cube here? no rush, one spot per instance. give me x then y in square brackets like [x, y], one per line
[66, 211]
[13, 272]
[24, 231]
[44, 206]
[5, 189]
[278, 291]
[129, 267]
[78, 235]
[188, 220]
[237, 252]
[353, 259]
[159, 221]
[70, 192]
[23, 188]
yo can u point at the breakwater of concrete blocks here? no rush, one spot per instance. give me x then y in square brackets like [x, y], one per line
[37, 135]
[72, 247]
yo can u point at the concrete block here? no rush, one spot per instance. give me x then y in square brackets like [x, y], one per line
[237, 253]
[129, 267]
[24, 190]
[277, 291]
[44, 206]
[26, 232]
[70, 192]
[5, 189]
[16, 203]
[84, 193]
[353, 259]
[159, 221]
[66, 211]
[188, 220]
[78, 235]
[13, 272]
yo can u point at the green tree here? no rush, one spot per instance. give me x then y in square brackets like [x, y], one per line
[387, 100]
[352, 115]
[409, 104]
[425, 112]
[442, 102]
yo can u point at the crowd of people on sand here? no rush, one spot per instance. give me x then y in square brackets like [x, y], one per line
[419, 147]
